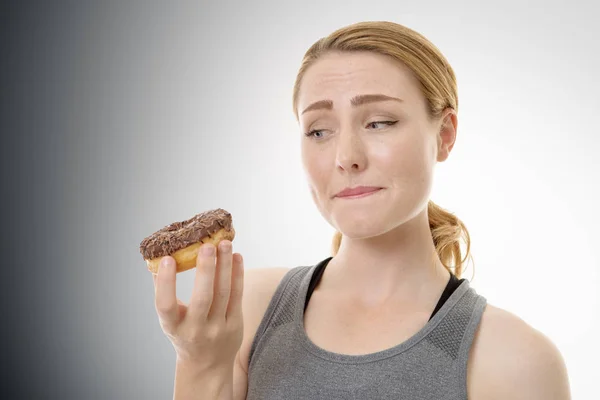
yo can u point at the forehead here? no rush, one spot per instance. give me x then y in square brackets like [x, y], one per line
[340, 76]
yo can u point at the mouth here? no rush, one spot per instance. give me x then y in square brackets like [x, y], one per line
[358, 192]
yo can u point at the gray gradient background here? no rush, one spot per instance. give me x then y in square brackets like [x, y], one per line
[121, 117]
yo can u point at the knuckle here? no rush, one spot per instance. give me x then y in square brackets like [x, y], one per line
[213, 332]
[202, 333]
[203, 302]
[164, 308]
[235, 323]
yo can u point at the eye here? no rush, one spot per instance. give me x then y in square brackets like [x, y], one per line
[319, 134]
[315, 133]
[388, 123]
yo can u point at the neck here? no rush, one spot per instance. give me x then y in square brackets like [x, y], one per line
[400, 266]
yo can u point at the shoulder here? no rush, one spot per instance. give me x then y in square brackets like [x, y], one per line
[260, 285]
[509, 359]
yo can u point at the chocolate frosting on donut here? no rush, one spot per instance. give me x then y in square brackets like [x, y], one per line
[179, 235]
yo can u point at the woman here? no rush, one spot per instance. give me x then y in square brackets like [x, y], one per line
[388, 315]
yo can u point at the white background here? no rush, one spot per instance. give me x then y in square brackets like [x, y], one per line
[190, 109]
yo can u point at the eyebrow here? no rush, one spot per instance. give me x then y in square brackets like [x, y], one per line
[355, 101]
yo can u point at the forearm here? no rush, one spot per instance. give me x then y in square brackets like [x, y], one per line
[193, 383]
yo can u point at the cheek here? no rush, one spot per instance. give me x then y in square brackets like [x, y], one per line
[404, 160]
[317, 166]
[385, 153]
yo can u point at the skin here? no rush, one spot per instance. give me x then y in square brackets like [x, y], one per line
[387, 264]
[389, 229]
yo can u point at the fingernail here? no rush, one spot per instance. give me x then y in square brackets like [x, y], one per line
[166, 262]
[208, 250]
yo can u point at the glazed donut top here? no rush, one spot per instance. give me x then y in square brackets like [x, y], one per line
[179, 235]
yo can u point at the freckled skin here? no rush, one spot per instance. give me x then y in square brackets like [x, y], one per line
[351, 150]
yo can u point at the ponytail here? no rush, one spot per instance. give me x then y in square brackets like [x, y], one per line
[447, 231]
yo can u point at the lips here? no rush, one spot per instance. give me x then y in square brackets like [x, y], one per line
[358, 191]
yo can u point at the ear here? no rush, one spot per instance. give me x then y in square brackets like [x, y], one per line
[446, 136]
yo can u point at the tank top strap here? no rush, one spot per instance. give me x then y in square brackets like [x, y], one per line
[437, 354]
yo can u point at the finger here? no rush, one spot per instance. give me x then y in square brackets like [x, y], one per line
[202, 293]
[222, 280]
[166, 297]
[234, 308]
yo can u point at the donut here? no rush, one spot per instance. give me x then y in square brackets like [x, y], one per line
[182, 240]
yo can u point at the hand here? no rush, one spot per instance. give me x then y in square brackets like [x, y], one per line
[208, 332]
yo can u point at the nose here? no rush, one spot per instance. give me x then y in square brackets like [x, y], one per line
[350, 155]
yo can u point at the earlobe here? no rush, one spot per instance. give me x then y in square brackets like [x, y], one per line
[447, 134]
[443, 154]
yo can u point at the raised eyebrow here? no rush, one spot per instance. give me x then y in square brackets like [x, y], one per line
[356, 101]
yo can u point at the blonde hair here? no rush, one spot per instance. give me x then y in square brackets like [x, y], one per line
[438, 85]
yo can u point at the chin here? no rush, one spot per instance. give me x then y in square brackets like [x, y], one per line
[363, 225]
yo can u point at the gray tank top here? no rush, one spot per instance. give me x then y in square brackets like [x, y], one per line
[432, 364]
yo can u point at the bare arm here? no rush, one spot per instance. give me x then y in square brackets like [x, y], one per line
[538, 372]
[512, 360]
